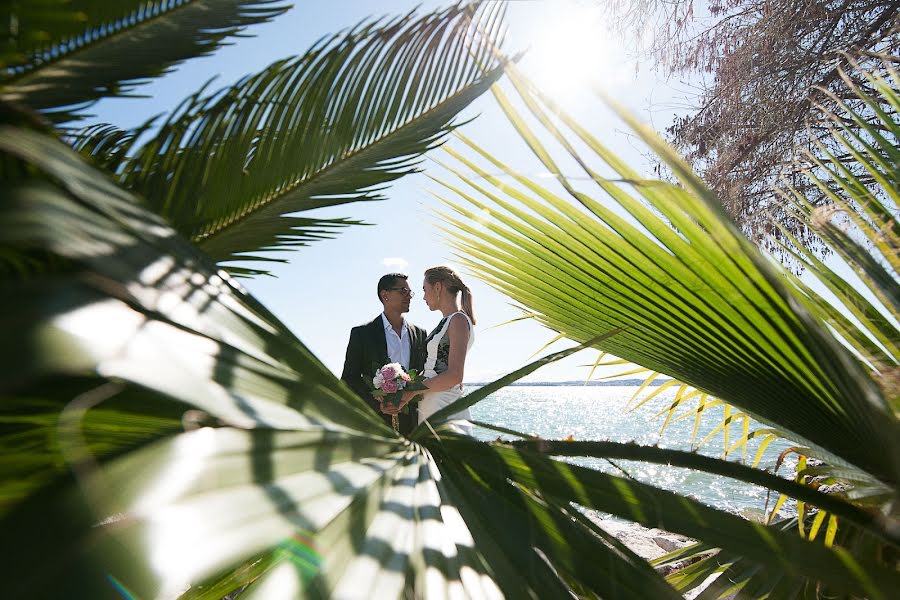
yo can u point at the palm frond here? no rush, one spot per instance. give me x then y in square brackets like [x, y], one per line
[108, 146]
[287, 482]
[696, 301]
[888, 529]
[287, 485]
[559, 482]
[755, 581]
[867, 326]
[63, 56]
[32, 438]
[336, 125]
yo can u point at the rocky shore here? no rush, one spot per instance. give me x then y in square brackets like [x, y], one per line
[646, 543]
[649, 544]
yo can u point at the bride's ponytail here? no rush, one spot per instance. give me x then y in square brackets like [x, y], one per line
[454, 284]
[467, 302]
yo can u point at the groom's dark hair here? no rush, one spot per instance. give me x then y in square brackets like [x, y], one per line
[388, 281]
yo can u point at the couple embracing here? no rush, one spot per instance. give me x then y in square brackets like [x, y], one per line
[440, 355]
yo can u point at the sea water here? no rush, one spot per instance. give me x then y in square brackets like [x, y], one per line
[600, 413]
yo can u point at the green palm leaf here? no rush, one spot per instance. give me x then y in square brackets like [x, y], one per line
[782, 552]
[32, 435]
[174, 436]
[753, 580]
[287, 483]
[62, 56]
[338, 124]
[871, 331]
[696, 301]
[886, 528]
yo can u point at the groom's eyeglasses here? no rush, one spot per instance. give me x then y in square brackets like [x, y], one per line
[404, 291]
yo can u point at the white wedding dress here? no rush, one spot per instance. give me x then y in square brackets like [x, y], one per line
[437, 345]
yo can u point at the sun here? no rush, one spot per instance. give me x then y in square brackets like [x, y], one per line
[573, 50]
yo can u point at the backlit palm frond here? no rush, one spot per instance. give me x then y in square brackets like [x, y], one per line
[278, 477]
[142, 323]
[336, 125]
[560, 485]
[111, 148]
[280, 481]
[688, 402]
[593, 490]
[735, 573]
[859, 226]
[695, 300]
[63, 56]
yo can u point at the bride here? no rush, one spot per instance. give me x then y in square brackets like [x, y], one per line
[446, 347]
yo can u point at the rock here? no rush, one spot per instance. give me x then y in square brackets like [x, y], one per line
[653, 543]
[834, 488]
[671, 542]
[753, 514]
[646, 543]
[643, 546]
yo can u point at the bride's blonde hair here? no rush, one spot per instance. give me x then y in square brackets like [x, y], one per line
[454, 284]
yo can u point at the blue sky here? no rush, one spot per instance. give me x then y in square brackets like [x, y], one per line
[330, 286]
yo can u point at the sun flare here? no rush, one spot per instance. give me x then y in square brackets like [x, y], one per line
[574, 51]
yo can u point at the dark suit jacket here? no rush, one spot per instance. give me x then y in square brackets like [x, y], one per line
[367, 352]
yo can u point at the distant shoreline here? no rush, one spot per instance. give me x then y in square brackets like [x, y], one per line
[618, 383]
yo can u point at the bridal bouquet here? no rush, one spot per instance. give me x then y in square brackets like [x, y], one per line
[391, 381]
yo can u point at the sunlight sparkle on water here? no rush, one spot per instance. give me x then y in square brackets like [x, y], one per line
[598, 413]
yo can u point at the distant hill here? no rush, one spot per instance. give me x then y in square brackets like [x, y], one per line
[619, 382]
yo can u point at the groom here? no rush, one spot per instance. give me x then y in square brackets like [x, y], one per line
[389, 338]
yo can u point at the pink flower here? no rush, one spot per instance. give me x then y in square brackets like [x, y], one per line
[388, 372]
[389, 386]
[406, 377]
